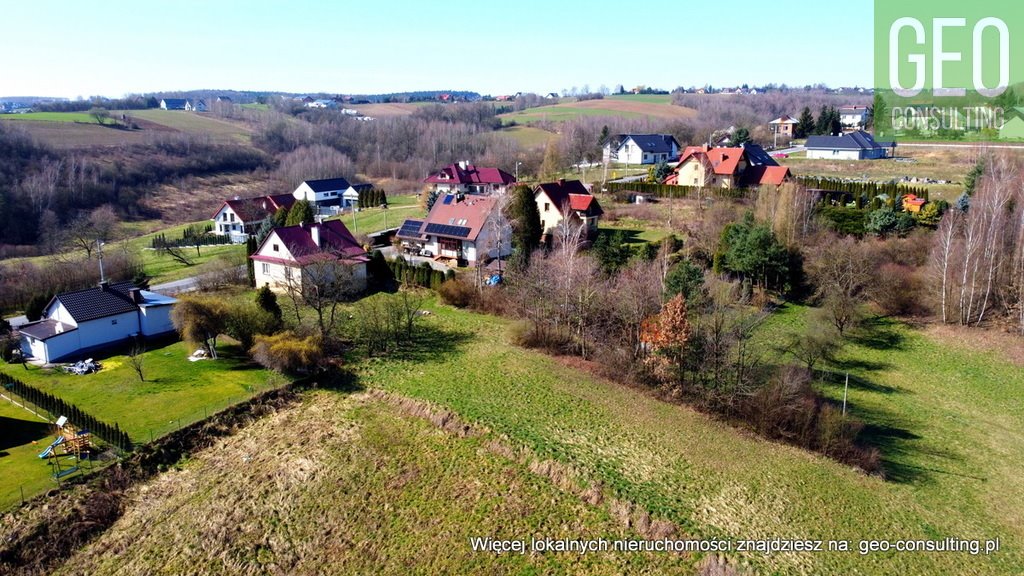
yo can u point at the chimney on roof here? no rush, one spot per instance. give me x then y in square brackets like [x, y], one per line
[136, 295]
[314, 233]
[237, 197]
[104, 286]
[463, 164]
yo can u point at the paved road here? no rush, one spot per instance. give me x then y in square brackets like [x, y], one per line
[792, 150]
[176, 287]
[17, 321]
[946, 145]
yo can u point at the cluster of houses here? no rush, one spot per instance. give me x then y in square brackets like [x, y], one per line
[183, 104]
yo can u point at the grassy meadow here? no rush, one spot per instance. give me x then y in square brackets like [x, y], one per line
[22, 437]
[175, 393]
[83, 117]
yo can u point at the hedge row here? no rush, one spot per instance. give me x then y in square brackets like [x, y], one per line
[55, 406]
[857, 189]
[423, 275]
[372, 198]
[671, 190]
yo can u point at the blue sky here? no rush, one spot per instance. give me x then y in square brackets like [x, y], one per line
[112, 48]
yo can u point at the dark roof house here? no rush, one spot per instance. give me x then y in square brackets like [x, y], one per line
[854, 145]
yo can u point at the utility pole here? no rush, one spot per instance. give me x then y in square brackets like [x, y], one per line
[846, 389]
[99, 252]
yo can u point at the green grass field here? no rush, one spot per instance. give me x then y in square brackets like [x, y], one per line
[351, 485]
[176, 392]
[561, 113]
[256, 106]
[649, 98]
[528, 136]
[369, 220]
[950, 423]
[22, 437]
[83, 117]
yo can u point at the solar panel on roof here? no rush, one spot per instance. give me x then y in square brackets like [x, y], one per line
[410, 228]
[447, 199]
[446, 230]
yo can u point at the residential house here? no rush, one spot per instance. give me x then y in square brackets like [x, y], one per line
[727, 167]
[461, 227]
[322, 103]
[466, 178]
[288, 257]
[854, 117]
[557, 200]
[77, 323]
[641, 148]
[241, 217]
[176, 104]
[330, 195]
[199, 106]
[783, 126]
[858, 145]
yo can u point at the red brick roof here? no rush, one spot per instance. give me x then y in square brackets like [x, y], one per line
[724, 161]
[456, 174]
[760, 175]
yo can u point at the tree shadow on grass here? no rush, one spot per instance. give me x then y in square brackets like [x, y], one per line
[837, 378]
[432, 343]
[878, 333]
[630, 236]
[898, 445]
[15, 432]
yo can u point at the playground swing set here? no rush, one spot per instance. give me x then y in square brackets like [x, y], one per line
[67, 453]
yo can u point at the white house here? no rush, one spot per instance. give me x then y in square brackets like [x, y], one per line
[83, 321]
[641, 148]
[555, 200]
[330, 195]
[323, 103]
[289, 255]
[854, 117]
[240, 217]
[857, 145]
[177, 104]
[459, 226]
[466, 178]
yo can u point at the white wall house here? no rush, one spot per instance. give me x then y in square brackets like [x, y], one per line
[330, 195]
[460, 227]
[240, 217]
[465, 178]
[284, 259]
[853, 146]
[854, 117]
[641, 149]
[77, 323]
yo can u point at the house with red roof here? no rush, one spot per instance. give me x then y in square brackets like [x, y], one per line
[292, 256]
[567, 199]
[462, 227]
[913, 203]
[466, 178]
[727, 167]
[241, 217]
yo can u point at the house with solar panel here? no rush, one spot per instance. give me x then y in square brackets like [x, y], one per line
[78, 323]
[563, 199]
[466, 178]
[641, 148]
[462, 228]
[291, 256]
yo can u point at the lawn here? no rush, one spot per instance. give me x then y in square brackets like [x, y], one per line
[369, 220]
[176, 392]
[561, 113]
[163, 268]
[951, 424]
[528, 136]
[52, 117]
[22, 437]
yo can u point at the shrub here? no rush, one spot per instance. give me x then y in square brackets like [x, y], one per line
[267, 300]
[287, 352]
[35, 306]
[542, 337]
[458, 293]
[245, 321]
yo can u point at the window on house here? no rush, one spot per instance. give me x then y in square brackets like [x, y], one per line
[266, 268]
[288, 273]
[112, 322]
[224, 217]
[277, 248]
[232, 217]
[547, 206]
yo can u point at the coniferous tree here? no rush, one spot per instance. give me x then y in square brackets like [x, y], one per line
[300, 213]
[805, 125]
[526, 226]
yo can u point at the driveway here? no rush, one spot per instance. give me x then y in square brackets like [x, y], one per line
[389, 252]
